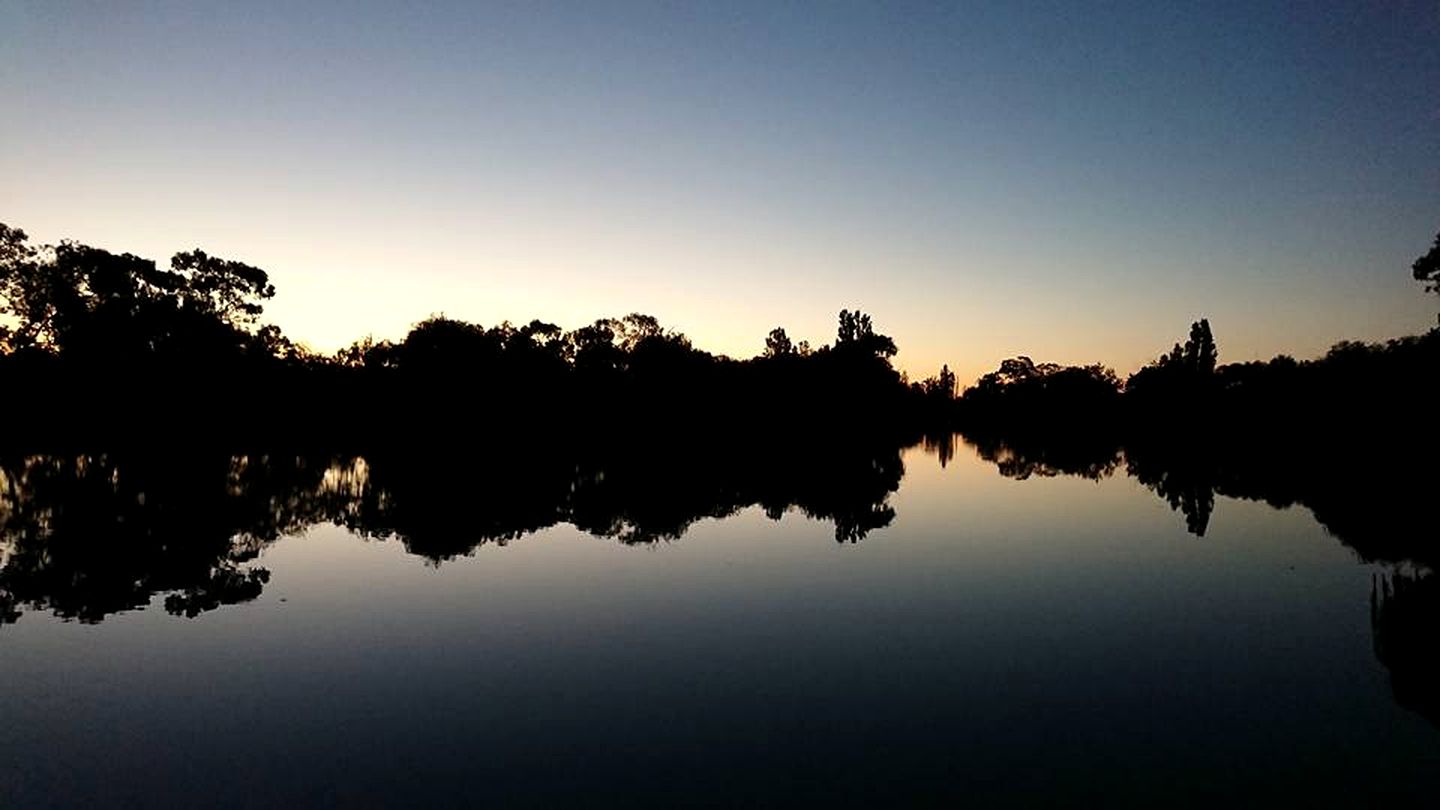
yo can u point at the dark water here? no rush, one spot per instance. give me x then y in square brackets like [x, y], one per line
[1052, 640]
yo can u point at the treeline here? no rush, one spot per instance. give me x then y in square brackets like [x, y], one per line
[94, 343]
[1186, 392]
[1187, 396]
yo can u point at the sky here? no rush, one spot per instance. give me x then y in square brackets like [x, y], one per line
[1073, 182]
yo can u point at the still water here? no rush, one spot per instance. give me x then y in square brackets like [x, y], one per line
[1051, 640]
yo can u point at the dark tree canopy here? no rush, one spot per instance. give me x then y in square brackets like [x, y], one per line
[1182, 381]
[942, 386]
[1042, 397]
[777, 343]
[857, 334]
[1197, 356]
[75, 299]
[1427, 268]
[231, 290]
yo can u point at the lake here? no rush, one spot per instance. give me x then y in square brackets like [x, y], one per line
[857, 629]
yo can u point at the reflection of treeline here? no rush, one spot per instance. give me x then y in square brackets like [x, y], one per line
[1405, 622]
[93, 343]
[86, 536]
[1373, 497]
[1368, 485]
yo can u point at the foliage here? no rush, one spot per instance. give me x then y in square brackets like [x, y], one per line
[1427, 267]
[85, 302]
[1178, 383]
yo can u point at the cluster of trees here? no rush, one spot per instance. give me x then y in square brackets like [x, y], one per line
[105, 342]
[1286, 431]
[1187, 394]
[630, 370]
[95, 307]
[102, 342]
[183, 351]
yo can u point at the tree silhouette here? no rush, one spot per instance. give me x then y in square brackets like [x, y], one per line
[856, 334]
[22, 291]
[777, 344]
[229, 290]
[942, 386]
[1427, 267]
[86, 302]
[1180, 388]
[1025, 397]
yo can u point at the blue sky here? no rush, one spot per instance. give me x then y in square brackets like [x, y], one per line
[1074, 182]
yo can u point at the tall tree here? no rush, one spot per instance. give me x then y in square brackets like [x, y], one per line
[857, 334]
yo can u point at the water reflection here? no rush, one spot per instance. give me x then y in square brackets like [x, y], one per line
[1375, 504]
[1020, 459]
[1382, 518]
[87, 536]
[90, 535]
[1405, 620]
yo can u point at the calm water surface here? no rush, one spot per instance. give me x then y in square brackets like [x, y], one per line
[1038, 641]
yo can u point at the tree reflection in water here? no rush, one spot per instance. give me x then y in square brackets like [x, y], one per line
[1405, 622]
[86, 536]
[1383, 518]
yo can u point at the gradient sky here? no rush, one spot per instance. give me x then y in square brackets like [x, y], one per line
[1076, 182]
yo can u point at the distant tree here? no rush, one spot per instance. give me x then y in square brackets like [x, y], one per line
[1182, 383]
[1200, 351]
[941, 386]
[1011, 372]
[852, 326]
[368, 353]
[636, 328]
[541, 333]
[441, 344]
[599, 334]
[1197, 356]
[857, 334]
[228, 289]
[1022, 388]
[778, 344]
[593, 348]
[1427, 267]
